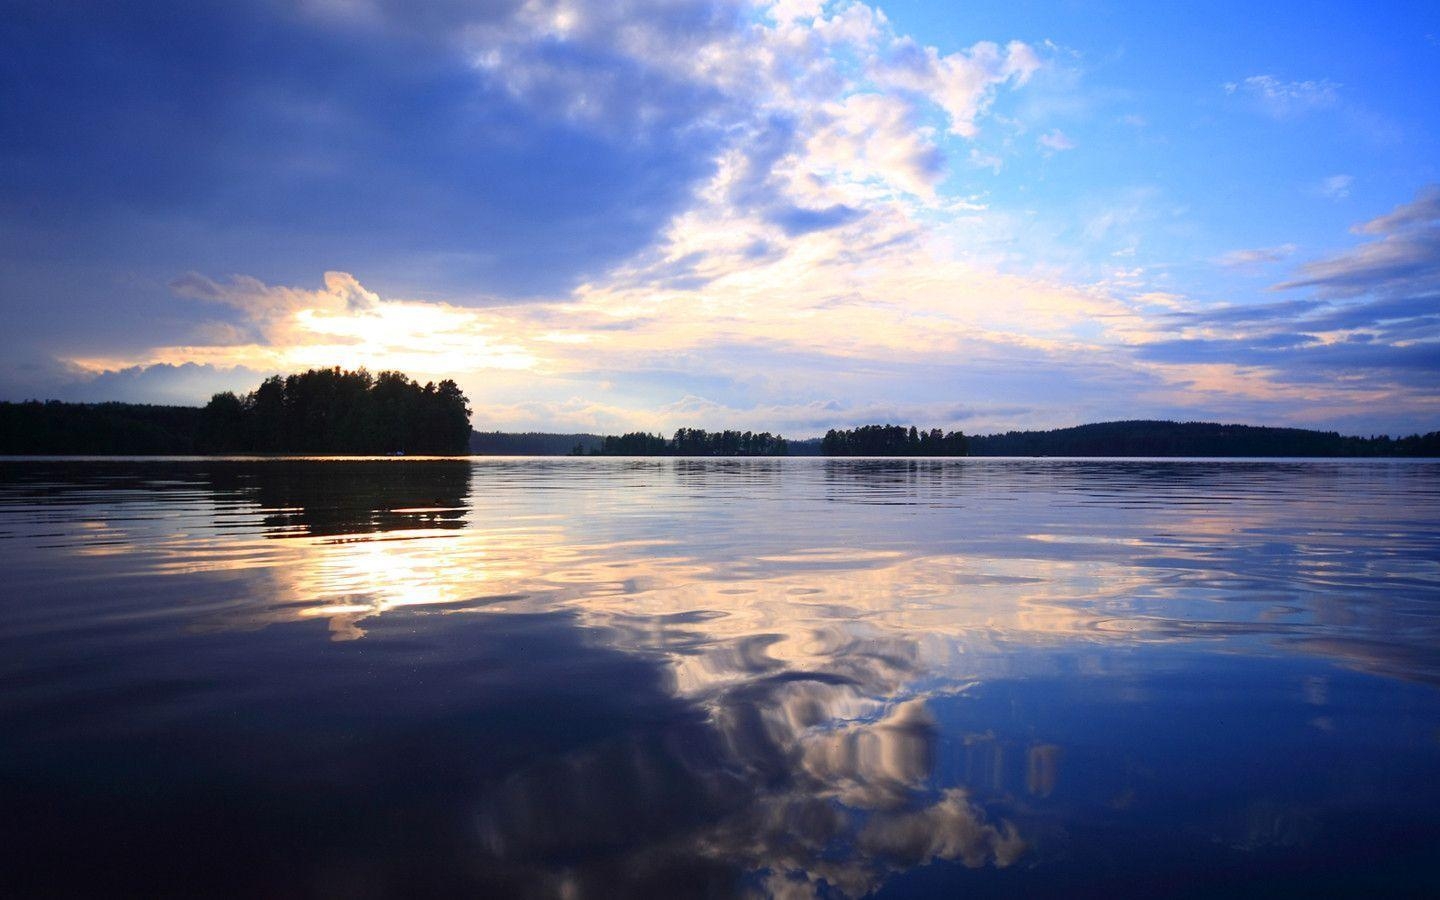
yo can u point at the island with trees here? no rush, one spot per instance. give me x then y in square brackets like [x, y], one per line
[893, 440]
[320, 411]
[692, 442]
[332, 411]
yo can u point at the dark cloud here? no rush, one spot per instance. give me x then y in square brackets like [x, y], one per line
[1392, 316]
[1375, 312]
[797, 220]
[249, 138]
[1285, 311]
[1410, 363]
[185, 385]
[1424, 211]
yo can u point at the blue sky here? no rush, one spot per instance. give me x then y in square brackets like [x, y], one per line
[790, 216]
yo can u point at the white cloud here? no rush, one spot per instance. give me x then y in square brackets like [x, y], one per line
[1240, 259]
[963, 83]
[1336, 187]
[1055, 140]
[877, 138]
[982, 160]
[1284, 99]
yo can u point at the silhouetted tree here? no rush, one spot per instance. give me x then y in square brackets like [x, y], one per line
[223, 426]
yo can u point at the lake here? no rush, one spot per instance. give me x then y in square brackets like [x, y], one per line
[719, 677]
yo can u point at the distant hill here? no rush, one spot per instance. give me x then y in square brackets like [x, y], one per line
[1158, 438]
[531, 443]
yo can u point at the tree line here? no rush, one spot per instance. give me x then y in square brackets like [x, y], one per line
[532, 443]
[335, 411]
[893, 440]
[52, 427]
[691, 442]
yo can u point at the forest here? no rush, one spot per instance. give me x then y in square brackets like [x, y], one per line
[892, 440]
[532, 443]
[691, 442]
[51, 427]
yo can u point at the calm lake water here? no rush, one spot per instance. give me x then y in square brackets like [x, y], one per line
[675, 677]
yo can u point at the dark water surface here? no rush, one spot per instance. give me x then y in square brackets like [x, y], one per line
[808, 677]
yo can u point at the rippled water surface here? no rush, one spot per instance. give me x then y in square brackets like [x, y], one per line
[807, 677]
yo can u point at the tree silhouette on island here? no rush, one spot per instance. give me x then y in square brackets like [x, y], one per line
[333, 411]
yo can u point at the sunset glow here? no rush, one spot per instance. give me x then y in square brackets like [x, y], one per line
[782, 215]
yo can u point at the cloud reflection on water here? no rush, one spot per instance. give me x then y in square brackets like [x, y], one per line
[813, 645]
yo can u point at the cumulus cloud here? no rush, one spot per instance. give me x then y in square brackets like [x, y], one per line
[963, 83]
[879, 138]
[465, 151]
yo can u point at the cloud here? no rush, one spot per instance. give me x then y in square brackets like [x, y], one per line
[963, 83]
[1285, 99]
[289, 328]
[672, 199]
[185, 384]
[1422, 212]
[1404, 257]
[475, 153]
[472, 152]
[1413, 364]
[797, 220]
[1336, 187]
[828, 326]
[1055, 140]
[1369, 327]
[982, 160]
[1240, 259]
[879, 138]
[263, 303]
[243, 137]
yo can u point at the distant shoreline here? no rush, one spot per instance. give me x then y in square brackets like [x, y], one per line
[54, 428]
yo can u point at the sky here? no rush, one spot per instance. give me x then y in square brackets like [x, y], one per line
[785, 216]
